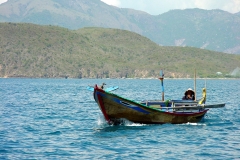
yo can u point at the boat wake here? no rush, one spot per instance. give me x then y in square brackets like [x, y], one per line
[193, 124]
[121, 122]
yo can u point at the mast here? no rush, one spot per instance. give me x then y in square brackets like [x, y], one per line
[195, 94]
[161, 78]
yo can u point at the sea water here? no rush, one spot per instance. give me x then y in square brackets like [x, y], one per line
[59, 119]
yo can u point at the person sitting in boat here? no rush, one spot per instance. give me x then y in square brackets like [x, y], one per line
[189, 95]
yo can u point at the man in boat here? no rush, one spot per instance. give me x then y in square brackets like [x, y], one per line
[189, 95]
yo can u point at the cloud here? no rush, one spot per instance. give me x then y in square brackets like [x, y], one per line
[233, 6]
[2, 1]
[156, 7]
[112, 2]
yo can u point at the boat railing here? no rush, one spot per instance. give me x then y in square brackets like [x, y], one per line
[175, 105]
[184, 105]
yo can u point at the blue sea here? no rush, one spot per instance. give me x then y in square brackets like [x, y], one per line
[59, 119]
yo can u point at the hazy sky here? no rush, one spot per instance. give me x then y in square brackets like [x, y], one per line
[156, 7]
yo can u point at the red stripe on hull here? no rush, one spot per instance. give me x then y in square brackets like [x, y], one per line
[102, 108]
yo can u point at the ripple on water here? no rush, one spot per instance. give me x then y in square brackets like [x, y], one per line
[58, 119]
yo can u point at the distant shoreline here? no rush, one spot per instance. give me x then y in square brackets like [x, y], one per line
[117, 78]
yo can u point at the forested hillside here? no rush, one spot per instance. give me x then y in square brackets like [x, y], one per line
[28, 50]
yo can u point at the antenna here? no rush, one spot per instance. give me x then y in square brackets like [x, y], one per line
[205, 83]
[195, 94]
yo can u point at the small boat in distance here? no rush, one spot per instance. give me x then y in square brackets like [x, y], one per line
[116, 108]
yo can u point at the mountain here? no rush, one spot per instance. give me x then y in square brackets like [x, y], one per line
[214, 30]
[72, 14]
[209, 29]
[29, 50]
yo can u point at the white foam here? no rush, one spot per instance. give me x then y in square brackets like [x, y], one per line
[194, 124]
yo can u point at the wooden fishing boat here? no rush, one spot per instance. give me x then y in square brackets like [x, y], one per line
[116, 109]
